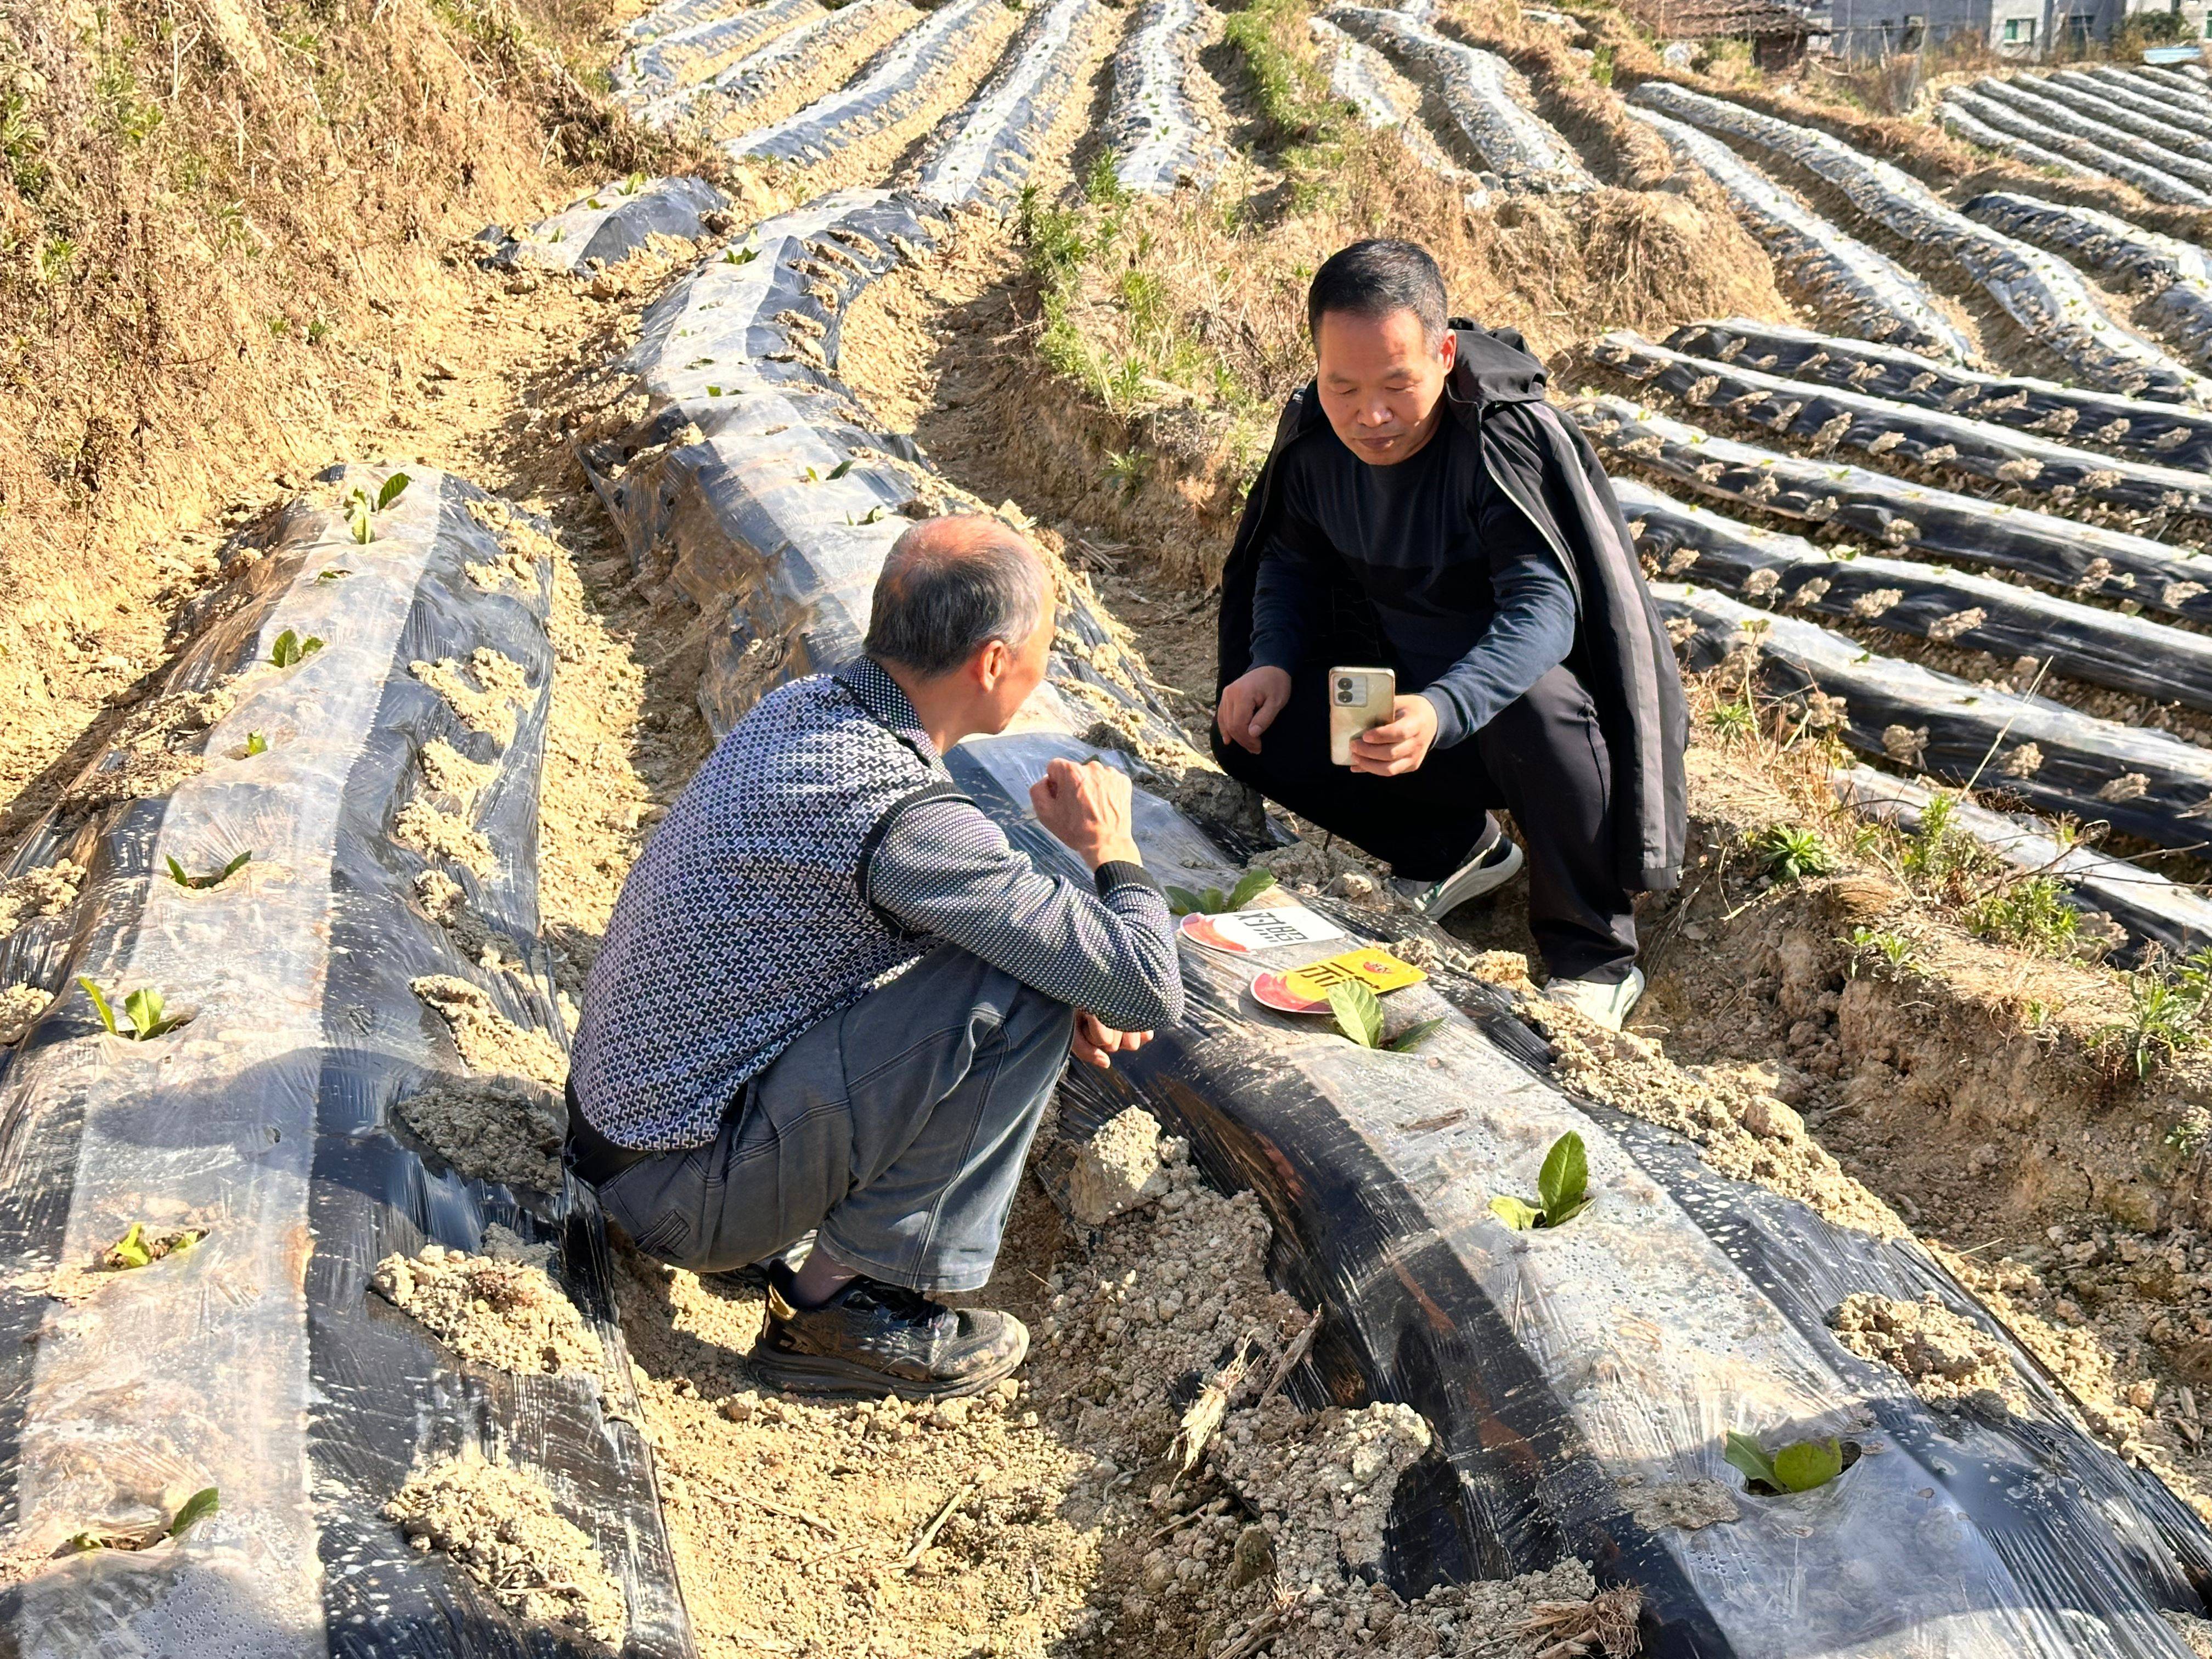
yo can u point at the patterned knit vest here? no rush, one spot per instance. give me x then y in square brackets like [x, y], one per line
[744, 922]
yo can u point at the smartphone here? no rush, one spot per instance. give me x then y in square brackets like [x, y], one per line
[1359, 700]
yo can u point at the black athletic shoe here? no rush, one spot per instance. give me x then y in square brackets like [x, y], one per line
[876, 1339]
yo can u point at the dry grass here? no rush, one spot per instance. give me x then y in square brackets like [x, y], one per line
[217, 221]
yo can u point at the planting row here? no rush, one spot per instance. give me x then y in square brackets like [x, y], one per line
[2080, 558]
[1478, 99]
[2179, 273]
[2079, 642]
[991, 147]
[649, 76]
[2166, 150]
[1158, 139]
[2052, 127]
[2148, 908]
[717, 109]
[758, 479]
[2047, 296]
[1857, 286]
[295, 1018]
[2174, 437]
[1961, 121]
[2184, 110]
[609, 224]
[1828, 419]
[1362, 77]
[897, 81]
[2144, 783]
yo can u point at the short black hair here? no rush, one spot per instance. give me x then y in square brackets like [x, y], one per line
[949, 586]
[1376, 277]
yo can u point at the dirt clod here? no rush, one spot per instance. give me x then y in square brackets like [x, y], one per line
[20, 1008]
[499, 1526]
[1952, 1362]
[1117, 1168]
[45, 891]
[506, 1314]
[1688, 1504]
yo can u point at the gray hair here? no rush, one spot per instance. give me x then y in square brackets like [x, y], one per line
[951, 586]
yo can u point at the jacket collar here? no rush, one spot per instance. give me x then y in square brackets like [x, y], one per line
[877, 693]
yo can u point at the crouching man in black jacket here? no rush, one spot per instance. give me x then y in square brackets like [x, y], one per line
[1424, 510]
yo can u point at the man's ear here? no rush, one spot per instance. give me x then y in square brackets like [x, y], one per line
[989, 664]
[1448, 352]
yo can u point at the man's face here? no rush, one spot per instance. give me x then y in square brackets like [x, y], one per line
[1382, 384]
[1025, 667]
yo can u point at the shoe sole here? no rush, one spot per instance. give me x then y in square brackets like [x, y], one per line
[848, 1379]
[1486, 879]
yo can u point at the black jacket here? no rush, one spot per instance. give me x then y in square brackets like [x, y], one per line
[1540, 460]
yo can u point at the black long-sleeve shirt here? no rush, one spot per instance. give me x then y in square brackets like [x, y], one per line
[1473, 606]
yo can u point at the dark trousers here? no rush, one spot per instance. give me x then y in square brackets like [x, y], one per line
[898, 1128]
[1542, 758]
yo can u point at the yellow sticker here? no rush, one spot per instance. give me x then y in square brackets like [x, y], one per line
[1378, 971]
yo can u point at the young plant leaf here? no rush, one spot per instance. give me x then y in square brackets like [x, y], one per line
[1213, 901]
[177, 874]
[1182, 901]
[873, 515]
[129, 1250]
[1254, 883]
[394, 488]
[359, 517]
[1807, 1464]
[1414, 1036]
[1563, 1179]
[335, 573]
[1515, 1214]
[256, 742]
[99, 1004]
[196, 1508]
[291, 648]
[842, 468]
[143, 1008]
[1746, 1455]
[1359, 1012]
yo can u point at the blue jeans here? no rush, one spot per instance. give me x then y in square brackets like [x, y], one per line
[896, 1130]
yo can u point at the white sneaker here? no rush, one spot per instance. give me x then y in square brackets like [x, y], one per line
[1495, 862]
[1601, 1005]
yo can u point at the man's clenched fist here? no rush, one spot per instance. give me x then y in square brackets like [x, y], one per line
[1249, 704]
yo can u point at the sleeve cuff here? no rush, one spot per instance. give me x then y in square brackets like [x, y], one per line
[1451, 728]
[1115, 873]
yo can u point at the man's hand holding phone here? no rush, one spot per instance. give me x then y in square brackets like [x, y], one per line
[1401, 744]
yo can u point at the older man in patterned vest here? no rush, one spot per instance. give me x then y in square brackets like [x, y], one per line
[832, 999]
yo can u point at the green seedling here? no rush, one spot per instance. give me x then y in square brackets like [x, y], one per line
[1358, 1014]
[141, 1010]
[335, 573]
[741, 256]
[362, 507]
[194, 1510]
[135, 1249]
[1213, 902]
[842, 468]
[635, 183]
[1888, 954]
[256, 742]
[291, 648]
[1801, 1466]
[200, 884]
[1562, 1190]
[1789, 853]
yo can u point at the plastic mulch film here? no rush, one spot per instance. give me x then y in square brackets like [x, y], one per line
[1158, 140]
[987, 150]
[717, 109]
[674, 15]
[897, 81]
[2180, 272]
[1479, 97]
[2056, 758]
[2044, 294]
[609, 225]
[1569, 1374]
[2053, 127]
[1961, 123]
[668, 61]
[1362, 77]
[2145, 905]
[2159, 433]
[1858, 287]
[2065, 553]
[2164, 151]
[2176, 97]
[1786, 573]
[2188, 80]
[2117, 86]
[333, 697]
[2100, 103]
[1830, 418]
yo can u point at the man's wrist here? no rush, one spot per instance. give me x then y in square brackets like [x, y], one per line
[1119, 851]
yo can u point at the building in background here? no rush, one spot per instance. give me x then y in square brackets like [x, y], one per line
[2025, 29]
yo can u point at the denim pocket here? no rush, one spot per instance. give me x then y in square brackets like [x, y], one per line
[656, 1202]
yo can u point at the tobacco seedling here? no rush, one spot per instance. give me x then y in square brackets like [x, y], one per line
[135, 1249]
[1358, 1014]
[1562, 1190]
[842, 468]
[289, 649]
[1213, 902]
[142, 1009]
[200, 884]
[196, 1508]
[1799, 1467]
[635, 183]
[362, 507]
[335, 573]
[741, 256]
[256, 742]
